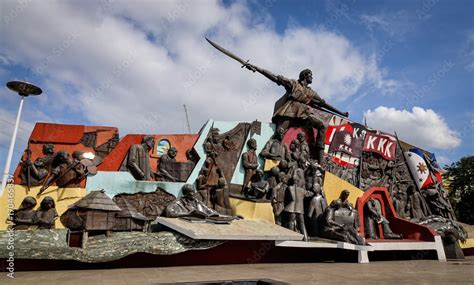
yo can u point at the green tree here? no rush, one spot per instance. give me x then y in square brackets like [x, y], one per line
[461, 176]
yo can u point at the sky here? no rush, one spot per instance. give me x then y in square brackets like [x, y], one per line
[402, 66]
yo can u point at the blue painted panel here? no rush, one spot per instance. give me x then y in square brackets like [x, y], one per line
[116, 182]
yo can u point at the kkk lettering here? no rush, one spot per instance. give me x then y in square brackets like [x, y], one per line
[383, 145]
[359, 131]
[343, 141]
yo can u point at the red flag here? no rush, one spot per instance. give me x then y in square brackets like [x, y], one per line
[383, 145]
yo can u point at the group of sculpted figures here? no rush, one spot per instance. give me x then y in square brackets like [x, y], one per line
[57, 167]
[138, 164]
[25, 217]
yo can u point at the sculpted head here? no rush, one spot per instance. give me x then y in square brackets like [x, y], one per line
[301, 137]
[188, 191]
[279, 133]
[306, 75]
[344, 194]
[172, 152]
[252, 144]
[48, 148]
[149, 141]
[47, 203]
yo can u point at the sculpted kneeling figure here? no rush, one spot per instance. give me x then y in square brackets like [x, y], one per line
[341, 221]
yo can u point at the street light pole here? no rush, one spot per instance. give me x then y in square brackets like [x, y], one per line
[23, 89]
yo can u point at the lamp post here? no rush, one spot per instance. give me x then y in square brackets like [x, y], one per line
[23, 89]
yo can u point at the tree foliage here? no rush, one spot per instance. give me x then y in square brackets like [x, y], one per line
[461, 176]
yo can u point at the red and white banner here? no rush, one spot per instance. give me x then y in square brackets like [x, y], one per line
[383, 145]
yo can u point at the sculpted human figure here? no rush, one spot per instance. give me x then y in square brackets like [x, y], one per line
[249, 162]
[295, 153]
[25, 216]
[258, 186]
[298, 103]
[138, 160]
[188, 206]
[211, 144]
[39, 169]
[303, 145]
[220, 195]
[202, 186]
[438, 204]
[294, 206]
[340, 230]
[275, 149]
[373, 217]
[415, 206]
[46, 214]
[68, 173]
[162, 172]
[317, 205]
[277, 198]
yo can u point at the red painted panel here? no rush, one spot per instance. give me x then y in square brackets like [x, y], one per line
[408, 229]
[57, 133]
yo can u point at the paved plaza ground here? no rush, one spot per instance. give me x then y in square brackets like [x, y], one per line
[377, 272]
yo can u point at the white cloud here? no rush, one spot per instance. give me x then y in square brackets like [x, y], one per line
[133, 64]
[420, 127]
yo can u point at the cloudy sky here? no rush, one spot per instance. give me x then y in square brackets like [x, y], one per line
[406, 66]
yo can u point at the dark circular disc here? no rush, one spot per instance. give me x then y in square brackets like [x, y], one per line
[24, 88]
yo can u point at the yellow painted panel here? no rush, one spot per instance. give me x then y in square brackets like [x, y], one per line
[333, 186]
[469, 243]
[251, 210]
[12, 198]
[269, 164]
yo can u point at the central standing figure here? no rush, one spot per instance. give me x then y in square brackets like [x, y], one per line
[297, 104]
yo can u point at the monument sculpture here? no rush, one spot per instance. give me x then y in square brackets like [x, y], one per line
[25, 216]
[33, 174]
[294, 206]
[138, 159]
[373, 218]
[297, 103]
[249, 163]
[275, 149]
[341, 222]
[163, 164]
[46, 214]
[311, 150]
[258, 186]
[189, 206]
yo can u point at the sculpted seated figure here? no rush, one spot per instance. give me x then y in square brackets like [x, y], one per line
[258, 186]
[340, 221]
[373, 217]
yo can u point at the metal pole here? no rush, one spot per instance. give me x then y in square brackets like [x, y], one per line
[187, 118]
[6, 172]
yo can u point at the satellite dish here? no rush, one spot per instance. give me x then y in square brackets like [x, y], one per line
[24, 88]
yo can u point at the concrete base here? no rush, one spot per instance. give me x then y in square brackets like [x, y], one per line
[324, 243]
[237, 230]
[437, 245]
[373, 246]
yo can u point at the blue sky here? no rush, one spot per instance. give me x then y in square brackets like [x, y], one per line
[406, 66]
